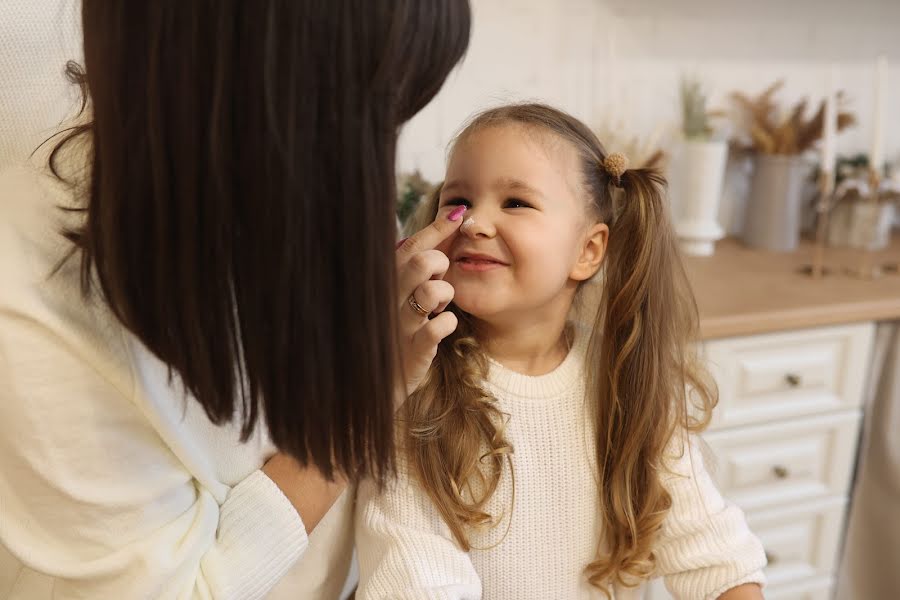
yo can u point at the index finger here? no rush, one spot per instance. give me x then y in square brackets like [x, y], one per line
[438, 231]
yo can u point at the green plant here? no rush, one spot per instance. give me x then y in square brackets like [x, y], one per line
[695, 118]
[411, 188]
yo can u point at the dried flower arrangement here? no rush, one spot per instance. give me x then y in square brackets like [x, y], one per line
[770, 130]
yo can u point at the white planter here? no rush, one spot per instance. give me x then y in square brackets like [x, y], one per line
[698, 169]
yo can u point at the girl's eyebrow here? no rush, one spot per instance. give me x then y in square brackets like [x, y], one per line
[516, 185]
[503, 183]
[455, 185]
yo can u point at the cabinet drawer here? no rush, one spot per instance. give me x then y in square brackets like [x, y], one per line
[769, 465]
[801, 541]
[773, 376]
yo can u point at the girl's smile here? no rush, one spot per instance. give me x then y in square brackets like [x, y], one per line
[477, 262]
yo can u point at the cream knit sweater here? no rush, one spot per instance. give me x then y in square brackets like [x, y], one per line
[114, 484]
[406, 551]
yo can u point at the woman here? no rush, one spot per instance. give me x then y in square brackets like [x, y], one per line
[204, 275]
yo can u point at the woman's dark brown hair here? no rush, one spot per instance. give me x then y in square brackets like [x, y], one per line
[240, 200]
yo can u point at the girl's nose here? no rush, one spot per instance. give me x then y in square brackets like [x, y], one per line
[477, 226]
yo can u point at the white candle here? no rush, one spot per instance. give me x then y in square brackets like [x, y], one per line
[829, 132]
[876, 157]
[612, 74]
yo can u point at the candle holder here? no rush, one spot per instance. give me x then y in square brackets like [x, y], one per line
[865, 268]
[817, 269]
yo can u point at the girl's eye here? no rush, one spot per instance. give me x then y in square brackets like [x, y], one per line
[516, 203]
[458, 202]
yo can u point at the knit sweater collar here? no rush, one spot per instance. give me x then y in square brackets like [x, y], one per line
[555, 383]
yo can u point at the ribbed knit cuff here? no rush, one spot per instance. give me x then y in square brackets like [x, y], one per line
[260, 537]
[755, 577]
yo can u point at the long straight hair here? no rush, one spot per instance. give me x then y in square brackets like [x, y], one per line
[240, 198]
[641, 362]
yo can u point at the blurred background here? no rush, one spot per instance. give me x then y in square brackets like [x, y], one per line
[605, 59]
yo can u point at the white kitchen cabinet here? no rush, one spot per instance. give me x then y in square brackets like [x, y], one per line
[784, 437]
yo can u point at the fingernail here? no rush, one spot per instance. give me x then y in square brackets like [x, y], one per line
[400, 243]
[457, 213]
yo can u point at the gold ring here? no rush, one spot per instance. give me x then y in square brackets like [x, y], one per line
[416, 306]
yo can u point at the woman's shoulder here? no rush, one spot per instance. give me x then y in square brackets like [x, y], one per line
[42, 304]
[30, 233]
[22, 191]
[33, 198]
[33, 218]
[33, 205]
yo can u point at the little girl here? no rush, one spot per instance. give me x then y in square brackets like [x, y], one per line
[542, 458]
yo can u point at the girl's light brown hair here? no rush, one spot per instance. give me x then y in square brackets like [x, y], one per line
[641, 360]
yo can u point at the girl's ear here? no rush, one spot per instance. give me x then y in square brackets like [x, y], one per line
[592, 252]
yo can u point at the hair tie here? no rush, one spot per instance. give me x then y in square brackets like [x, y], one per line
[615, 165]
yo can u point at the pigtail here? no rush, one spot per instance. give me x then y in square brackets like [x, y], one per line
[643, 339]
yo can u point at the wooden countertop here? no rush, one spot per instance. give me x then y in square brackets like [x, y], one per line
[741, 291]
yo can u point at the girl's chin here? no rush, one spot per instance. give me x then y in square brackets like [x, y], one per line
[479, 308]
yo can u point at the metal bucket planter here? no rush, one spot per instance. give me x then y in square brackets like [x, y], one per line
[772, 218]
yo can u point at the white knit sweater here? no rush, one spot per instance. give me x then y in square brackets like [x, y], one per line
[406, 550]
[113, 484]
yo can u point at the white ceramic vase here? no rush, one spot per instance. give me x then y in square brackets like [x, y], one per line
[698, 169]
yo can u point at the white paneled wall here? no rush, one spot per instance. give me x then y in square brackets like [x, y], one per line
[553, 50]
[557, 51]
[520, 49]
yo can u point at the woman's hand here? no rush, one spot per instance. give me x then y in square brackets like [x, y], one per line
[423, 296]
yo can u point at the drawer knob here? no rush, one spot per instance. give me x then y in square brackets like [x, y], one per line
[780, 471]
[771, 558]
[793, 379]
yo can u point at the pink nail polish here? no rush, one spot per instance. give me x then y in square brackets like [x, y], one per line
[457, 213]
